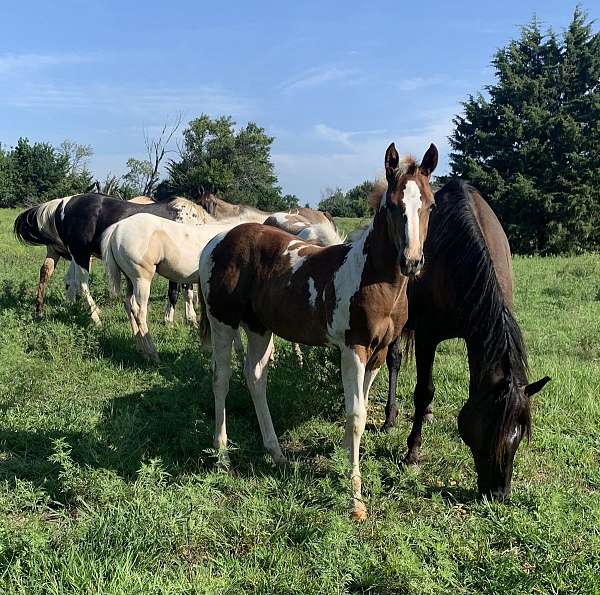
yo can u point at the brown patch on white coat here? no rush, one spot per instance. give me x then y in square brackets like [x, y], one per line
[351, 296]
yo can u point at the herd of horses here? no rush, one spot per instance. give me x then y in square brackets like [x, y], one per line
[428, 267]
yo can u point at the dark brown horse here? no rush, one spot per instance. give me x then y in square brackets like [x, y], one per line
[465, 290]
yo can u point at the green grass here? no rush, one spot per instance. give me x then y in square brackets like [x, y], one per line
[108, 482]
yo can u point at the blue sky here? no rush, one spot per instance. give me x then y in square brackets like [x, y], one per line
[334, 82]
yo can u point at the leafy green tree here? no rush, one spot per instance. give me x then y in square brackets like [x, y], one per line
[137, 178]
[334, 201]
[353, 203]
[532, 145]
[235, 165]
[32, 173]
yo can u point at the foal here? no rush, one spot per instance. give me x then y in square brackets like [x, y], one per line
[352, 296]
[143, 245]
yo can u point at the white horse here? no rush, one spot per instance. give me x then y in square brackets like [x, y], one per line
[142, 245]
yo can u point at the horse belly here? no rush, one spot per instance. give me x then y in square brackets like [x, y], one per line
[292, 319]
[178, 264]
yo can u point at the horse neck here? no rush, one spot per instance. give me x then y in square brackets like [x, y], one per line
[485, 372]
[382, 254]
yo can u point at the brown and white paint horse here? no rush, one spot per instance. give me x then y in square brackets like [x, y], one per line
[352, 296]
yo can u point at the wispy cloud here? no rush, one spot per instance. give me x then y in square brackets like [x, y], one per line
[352, 157]
[141, 101]
[415, 83]
[318, 76]
[11, 64]
[345, 138]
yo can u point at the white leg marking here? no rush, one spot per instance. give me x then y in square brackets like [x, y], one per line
[84, 277]
[299, 354]
[353, 377]
[169, 312]
[370, 376]
[255, 371]
[190, 312]
[221, 338]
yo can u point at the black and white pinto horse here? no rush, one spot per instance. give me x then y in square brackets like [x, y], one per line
[72, 228]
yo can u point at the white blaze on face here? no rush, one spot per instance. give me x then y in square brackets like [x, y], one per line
[412, 204]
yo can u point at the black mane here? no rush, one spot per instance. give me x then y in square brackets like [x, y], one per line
[487, 319]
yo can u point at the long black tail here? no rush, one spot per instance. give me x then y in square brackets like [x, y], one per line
[27, 230]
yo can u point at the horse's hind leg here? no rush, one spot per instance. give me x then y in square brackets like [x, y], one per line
[46, 271]
[393, 361]
[172, 295]
[131, 307]
[221, 339]
[141, 293]
[84, 277]
[423, 395]
[255, 370]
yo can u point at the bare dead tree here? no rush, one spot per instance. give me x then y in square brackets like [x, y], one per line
[156, 150]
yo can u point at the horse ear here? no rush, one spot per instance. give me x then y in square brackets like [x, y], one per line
[429, 161]
[536, 387]
[392, 159]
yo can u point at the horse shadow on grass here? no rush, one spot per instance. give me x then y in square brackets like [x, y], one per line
[175, 423]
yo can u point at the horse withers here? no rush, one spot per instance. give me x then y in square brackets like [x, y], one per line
[465, 290]
[352, 296]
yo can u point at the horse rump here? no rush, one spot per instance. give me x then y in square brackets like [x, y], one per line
[27, 229]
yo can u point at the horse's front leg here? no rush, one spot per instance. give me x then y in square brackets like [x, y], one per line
[83, 276]
[190, 312]
[172, 295]
[393, 361]
[353, 377]
[46, 271]
[423, 395]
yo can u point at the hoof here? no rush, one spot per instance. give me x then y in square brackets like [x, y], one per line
[388, 427]
[359, 511]
[411, 459]
[428, 418]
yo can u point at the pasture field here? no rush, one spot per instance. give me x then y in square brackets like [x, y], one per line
[108, 483]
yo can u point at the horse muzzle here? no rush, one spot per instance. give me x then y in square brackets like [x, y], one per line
[410, 267]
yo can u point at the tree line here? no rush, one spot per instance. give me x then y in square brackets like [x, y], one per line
[212, 157]
[530, 142]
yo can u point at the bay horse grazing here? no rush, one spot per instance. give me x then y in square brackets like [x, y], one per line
[466, 290]
[352, 296]
[71, 227]
[142, 245]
